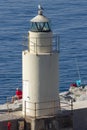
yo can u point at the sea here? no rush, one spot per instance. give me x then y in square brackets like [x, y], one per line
[68, 20]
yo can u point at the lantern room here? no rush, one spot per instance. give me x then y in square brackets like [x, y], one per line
[40, 23]
[40, 34]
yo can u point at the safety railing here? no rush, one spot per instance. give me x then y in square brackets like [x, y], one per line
[66, 105]
[34, 46]
[35, 109]
[13, 104]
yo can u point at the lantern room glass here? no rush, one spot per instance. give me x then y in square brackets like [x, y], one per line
[40, 27]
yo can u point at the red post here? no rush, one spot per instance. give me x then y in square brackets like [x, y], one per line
[9, 125]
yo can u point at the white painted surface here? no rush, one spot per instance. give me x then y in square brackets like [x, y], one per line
[42, 74]
[39, 18]
[40, 42]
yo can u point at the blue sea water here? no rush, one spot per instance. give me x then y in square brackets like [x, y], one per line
[68, 19]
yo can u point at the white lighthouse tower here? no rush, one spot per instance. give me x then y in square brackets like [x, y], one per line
[40, 69]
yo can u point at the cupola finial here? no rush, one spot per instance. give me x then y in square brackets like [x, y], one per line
[40, 10]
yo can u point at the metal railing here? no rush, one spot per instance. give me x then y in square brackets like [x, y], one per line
[34, 46]
[59, 108]
[11, 104]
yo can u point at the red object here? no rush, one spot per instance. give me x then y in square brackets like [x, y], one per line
[73, 85]
[19, 94]
[9, 125]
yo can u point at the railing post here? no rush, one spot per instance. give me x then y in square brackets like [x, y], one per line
[36, 46]
[54, 107]
[35, 110]
[25, 108]
[71, 106]
[28, 43]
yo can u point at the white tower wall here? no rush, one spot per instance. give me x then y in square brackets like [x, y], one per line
[40, 83]
[40, 42]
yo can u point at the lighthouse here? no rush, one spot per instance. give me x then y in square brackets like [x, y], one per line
[40, 74]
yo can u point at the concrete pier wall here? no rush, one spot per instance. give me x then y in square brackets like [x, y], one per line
[18, 122]
[4, 125]
[69, 121]
[80, 119]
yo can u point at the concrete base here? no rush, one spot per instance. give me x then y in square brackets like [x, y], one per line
[80, 119]
[66, 120]
[15, 120]
[18, 122]
[4, 125]
[61, 121]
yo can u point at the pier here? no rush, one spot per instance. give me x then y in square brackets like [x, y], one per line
[61, 121]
